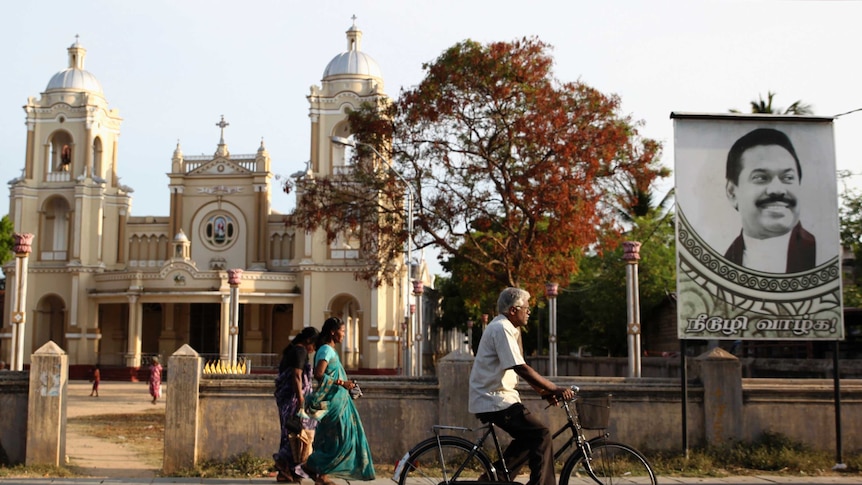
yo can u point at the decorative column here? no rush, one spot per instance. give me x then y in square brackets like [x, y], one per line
[22, 246]
[551, 291]
[233, 279]
[135, 329]
[418, 337]
[631, 255]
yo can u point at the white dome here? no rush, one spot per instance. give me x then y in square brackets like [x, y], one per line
[74, 77]
[75, 80]
[353, 62]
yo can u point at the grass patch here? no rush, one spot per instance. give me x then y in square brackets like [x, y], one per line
[244, 465]
[36, 471]
[771, 454]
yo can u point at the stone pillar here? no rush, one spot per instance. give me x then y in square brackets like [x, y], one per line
[22, 248]
[181, 411]
[419, 330]
[631, 255]
[453, 376]
[46, 411]
[721, 374]
[234, 277]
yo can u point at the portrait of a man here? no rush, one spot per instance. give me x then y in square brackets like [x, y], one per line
[757, 227]
[763, 183]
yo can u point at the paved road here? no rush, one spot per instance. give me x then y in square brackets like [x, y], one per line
[754, 480]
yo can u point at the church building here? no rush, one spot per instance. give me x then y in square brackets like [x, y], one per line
[114, 289]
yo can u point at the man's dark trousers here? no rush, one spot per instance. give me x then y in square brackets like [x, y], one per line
[531, 440]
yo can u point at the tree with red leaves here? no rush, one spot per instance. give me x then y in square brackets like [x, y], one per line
[514, 171]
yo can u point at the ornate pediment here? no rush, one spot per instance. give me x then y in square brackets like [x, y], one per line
[220, 166]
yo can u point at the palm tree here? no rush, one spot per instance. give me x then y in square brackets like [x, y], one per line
[765, 107]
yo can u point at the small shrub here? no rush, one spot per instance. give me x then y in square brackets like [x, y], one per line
[244, 465]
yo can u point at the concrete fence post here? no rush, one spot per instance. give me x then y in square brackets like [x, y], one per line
[721, 374]
[181, 411]
[46, 411]
[453, 377]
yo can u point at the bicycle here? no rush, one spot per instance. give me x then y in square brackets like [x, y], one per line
[450, 459]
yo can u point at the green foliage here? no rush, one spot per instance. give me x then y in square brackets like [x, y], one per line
[6, 241]
[244, 465]
[764, 106]
[36, 471]
[850, 219]
[771, 452]
[592, 312]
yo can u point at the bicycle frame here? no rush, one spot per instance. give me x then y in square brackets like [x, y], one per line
[599, 450]
[477, 447]
[577, 439]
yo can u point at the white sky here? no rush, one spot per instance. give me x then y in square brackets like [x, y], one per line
[172, 68]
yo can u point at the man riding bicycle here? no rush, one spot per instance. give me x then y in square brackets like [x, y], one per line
[493, 398]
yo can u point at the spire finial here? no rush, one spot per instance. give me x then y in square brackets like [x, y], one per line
[354, 19]
[222, 124]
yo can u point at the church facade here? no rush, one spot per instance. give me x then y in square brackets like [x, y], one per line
[112, 288]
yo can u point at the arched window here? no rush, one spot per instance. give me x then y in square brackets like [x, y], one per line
[97, 158]
[55, 230]
[62, 157]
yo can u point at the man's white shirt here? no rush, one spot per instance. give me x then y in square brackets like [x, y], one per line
[768, 255]
[492, 380]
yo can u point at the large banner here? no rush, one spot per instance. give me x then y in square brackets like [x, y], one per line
[757, 228]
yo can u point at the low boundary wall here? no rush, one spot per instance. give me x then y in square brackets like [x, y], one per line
[219, 417]
[237, 414]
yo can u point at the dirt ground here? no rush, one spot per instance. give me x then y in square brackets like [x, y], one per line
[97, 457]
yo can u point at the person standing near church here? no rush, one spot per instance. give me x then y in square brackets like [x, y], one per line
[95, 378]
[155, 381]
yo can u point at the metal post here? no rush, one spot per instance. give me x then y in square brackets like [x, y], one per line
[233, 279]
[419, 335]
[836, 383]
[22, 246]
[411, 325]
[551, 291]
[631, 255]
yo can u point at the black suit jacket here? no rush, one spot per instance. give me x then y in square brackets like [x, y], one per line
[801, 250]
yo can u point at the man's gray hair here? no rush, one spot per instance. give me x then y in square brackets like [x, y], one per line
[512, 297]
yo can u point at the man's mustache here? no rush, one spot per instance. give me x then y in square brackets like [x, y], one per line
[789, 200]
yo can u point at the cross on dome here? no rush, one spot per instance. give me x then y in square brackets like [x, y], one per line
[222, 124]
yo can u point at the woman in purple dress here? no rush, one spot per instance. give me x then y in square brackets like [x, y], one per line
[291, 386]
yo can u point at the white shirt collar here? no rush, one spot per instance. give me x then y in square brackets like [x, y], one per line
[767, 255]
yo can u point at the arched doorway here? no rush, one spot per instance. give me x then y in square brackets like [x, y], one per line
[346, 307]
[50, 322]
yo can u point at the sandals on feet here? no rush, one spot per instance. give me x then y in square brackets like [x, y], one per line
[287, 477]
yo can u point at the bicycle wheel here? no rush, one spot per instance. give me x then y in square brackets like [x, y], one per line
[612, 463]
[425, 467]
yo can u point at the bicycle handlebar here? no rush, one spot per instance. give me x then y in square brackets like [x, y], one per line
[556, 396]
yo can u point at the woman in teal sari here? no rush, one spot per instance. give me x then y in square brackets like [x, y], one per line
[340, 448]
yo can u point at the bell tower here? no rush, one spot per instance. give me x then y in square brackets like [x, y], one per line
[69, 197]
[69, 189]
[372, 315]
